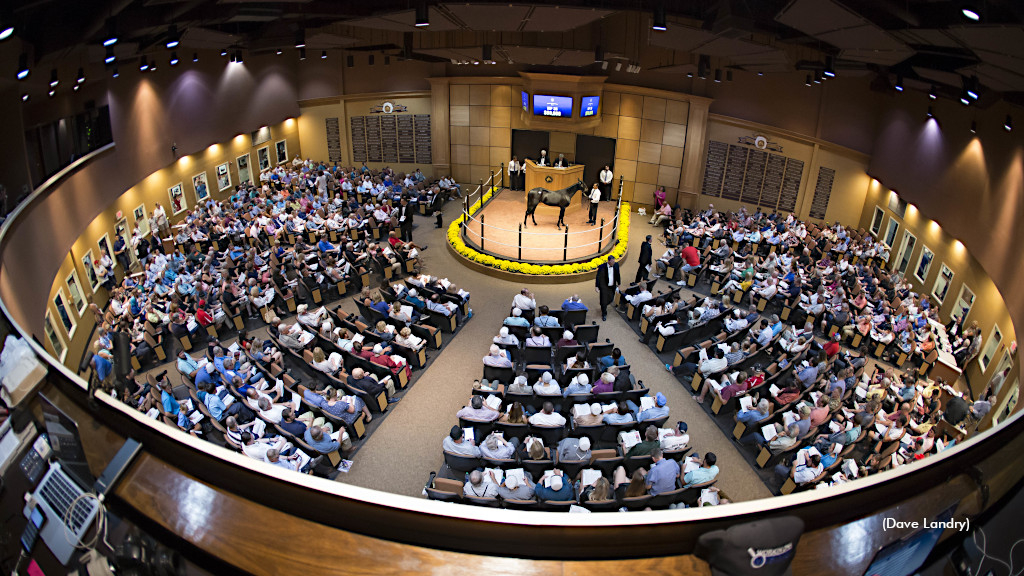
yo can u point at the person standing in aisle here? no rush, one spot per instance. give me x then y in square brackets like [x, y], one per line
[606, 183]
[405, 220]
[513, 174]
[595, 197]
[606, 282]
[644, 261]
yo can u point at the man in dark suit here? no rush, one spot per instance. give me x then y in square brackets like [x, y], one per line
[644, 261]
[561, 162]
[606, 282]
[405, 220]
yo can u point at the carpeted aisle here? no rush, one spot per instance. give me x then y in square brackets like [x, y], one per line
[400, 455]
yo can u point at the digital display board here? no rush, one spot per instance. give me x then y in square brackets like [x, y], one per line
[555, 106]
[526, 100]
[588, 106]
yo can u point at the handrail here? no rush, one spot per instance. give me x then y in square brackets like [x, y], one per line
[483, 530]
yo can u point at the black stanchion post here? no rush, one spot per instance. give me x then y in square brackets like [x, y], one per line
[600, 236]
[492, 181]
[520, 241]
[565, 245]
[502, 168]
[481, 231]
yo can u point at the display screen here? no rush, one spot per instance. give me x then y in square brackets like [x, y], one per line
[557, 106]
[588, 106]
[526, 100]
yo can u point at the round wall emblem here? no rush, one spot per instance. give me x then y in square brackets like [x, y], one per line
[388, 108]
[549, 179]
[761, 142]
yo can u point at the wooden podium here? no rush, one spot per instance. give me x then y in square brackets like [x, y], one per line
[537, 176]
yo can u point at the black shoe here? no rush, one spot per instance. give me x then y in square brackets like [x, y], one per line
[604, 318]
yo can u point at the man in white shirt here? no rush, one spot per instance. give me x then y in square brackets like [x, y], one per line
[524, 301]
[606, 183]
[543, 160]
[547, 417]
[595, 197]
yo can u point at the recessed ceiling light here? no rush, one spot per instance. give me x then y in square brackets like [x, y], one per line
[970, 13]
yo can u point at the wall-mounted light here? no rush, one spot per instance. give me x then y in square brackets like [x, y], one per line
[1008, 125]
[808, 81]
[599, 53]
[830, 67]
[899, 83]
[964, 98]
[143, 64]
[173, 38]
[115, 73]
[932, 93]
[323, 55]
[973, 87]
[970, 13]
[24, 97]
[111, 37]
[718, 75]
[728, 75]
[974, 126]
[302, 53]
[53, 78]
[300, 38]
[195, 57]
[174, 59]
[109, 57]
[931, 113]
[81, 76]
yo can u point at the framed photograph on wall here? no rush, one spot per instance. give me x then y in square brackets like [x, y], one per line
[141, 222]
[282, 151]
[924, 264]
[90, 270]
[263, 158]
[74, 288]
[65, 317]
[201, 186]
[177, 195]
[223, 177]
[56, 342]
[942, 284]
[106, 249]
[243, 169]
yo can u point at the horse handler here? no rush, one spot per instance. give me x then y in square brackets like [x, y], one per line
[595, 197]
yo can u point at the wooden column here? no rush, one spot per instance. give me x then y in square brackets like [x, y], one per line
[440, 147]
[696, 136]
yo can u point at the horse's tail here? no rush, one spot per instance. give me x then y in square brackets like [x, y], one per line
[532, 200]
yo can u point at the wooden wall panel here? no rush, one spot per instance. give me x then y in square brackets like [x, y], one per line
[479, 115]
[674, 135]
[652, 130]
[459, 115]
[676, 111]
[631, 105]
[671, 156]
[629, 127]
[459, 95]
[479, 136]
[654, 108]
[480, 95]
[610, 106]
[626, 149]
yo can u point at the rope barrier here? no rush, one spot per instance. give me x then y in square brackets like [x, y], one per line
[490, 227]
[491, 240]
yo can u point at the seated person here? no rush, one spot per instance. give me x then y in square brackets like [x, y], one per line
[573, 450]
[538, 338]
[705, 471]
[497, 358]
[577, 361]
[497, 448]
[580, 384]
[663, 473]
[478, 411]
[511, 489]
[547, 386]
[629, 487]
[514, 415]
[476, 487]
[644, 447]
[613, 359]
[573, 303]
[675, 438]
[558, 489]
[504, 338]
[516, 319]
[547, 417]
[592, 418]
[619, 415]
[659, 410]
[457, 443]
[544, 320]
[567, 340]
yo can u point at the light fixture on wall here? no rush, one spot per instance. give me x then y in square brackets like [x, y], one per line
[115, 73]
[23, 70]
[109, 57]
[174, 59]
[728, 75]
[618, 66]
[932, 94]
[899, 83]
[964, 98]
[808, 81]
[51, 92]
[24, 97]
[658, 19]
[718, 75]
[53, 78]
[302, 53]
[422, 14]
[703, 66]
[487, 51]
[195, 57]
[818, 77]
[974, 126]
[973, 87]
[300, 38]
[323, 55]
[173, 38]
[971, 13]
[81, 75]
[931, 112]
[279, 52]
[75, 87]
[143, 64]
[1008, 125]
[238, 56]
[370, 59]
[224, 52]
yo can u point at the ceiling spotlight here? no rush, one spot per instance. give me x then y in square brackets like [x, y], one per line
[599, 53]
[808, 81]
[111, 38]
[224, 52]
[81, 76]
[75, 87]
[830, 67]
[1008, 125]
[728, 75]
[173, 38]
[899, 83]
[689, 74]
[964, 98]
[23, 66]
[970, 13]
[115, 73]
[718, 75]
[53, 78]
[6, 29]
[174, 59]
[323, 54]
[109, 58]
[238, 56]
[486, 52]
[974, 126]
[24, 97]
[279, 52]
[370, 60]
[703, 65]
[195, 56]
[143, 64]
[658, 22]
[51, 93]
[300, 38]
[931, 113]
[973, 87]
[604, 65]
[760, 73]
[422, 14]
[932, 94]
[302, 53]
[818, 77]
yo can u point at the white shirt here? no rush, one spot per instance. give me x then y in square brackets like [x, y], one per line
[523, 302]
[595, 195]
[542, 419]
[606, 176]
[611, 275]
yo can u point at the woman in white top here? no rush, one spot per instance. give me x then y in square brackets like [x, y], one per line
[328, 365]
[504, 338]
[406, 338]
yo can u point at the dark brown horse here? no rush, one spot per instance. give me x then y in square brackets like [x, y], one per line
[560, 198]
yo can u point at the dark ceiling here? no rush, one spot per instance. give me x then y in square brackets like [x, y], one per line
[927, 43]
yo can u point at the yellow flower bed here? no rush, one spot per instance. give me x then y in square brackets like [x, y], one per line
[455, 239]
